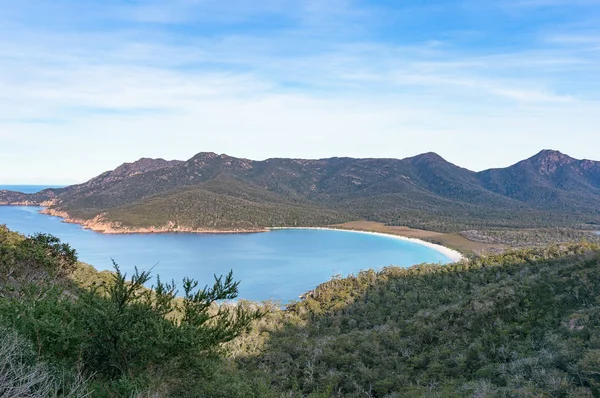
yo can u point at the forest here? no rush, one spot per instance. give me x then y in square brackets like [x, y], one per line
[221, 192]
[523, 323]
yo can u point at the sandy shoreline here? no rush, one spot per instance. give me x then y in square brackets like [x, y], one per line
[453, 255]
[99, 226]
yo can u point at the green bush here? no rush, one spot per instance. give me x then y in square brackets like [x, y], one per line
[127, 337]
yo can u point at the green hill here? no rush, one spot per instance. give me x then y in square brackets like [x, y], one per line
[524, 324]
[425, 191]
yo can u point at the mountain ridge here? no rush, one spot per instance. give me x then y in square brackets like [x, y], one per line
[425, 191]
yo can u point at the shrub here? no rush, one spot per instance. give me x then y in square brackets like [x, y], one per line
[22, 376]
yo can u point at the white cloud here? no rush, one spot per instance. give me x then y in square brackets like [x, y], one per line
[98, 97]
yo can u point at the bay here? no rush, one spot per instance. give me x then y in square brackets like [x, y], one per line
[278, 265]
[28, 188]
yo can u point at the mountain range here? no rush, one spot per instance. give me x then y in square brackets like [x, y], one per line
[220, 192]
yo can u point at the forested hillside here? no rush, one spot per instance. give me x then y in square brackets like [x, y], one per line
[211, 191]
[522, 324]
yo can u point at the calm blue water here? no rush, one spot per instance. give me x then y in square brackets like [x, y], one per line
[28, 188]
[278, 265]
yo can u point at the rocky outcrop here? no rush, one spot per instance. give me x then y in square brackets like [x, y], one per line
[44, 198]
[126, 170]
[99, 224]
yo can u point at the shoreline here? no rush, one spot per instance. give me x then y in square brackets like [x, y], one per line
[99, 226]
[453, 255]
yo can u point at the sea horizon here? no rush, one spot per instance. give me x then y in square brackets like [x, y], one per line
[29, 188]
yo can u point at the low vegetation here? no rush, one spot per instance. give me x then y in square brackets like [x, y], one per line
[530, 237]
[524, 323]
[124, 337]
[24, 375]
[203, 209]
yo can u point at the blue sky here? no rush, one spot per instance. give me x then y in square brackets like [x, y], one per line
[86, 85]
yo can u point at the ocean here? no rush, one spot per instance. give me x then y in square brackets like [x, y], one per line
[278, 265]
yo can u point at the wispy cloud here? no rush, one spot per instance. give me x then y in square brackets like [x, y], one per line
[280, 78]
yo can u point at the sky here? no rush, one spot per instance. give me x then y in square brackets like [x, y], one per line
[86, 85]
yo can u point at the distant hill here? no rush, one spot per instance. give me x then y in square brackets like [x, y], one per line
[211, 191]
[549, 180]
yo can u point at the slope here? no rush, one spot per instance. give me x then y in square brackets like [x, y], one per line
[425, 191]
[521, 324]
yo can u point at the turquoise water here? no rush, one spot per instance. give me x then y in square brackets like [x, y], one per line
[28, 188]
[278, 265]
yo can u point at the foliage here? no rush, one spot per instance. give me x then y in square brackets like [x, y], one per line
[530, 237]
[33, 259]
[200, 208]
[524, 323]
[125, 336]
[222, 192]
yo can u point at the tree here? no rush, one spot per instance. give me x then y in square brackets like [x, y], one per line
[130, 329]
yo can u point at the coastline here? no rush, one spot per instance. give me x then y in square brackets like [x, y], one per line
[98, 225]
[453, 255]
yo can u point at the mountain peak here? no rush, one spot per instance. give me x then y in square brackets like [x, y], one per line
[204, 158]
[548, 161]
[429, 157]
[551, 154]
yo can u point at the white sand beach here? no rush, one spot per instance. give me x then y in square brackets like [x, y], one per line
[453, 255]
